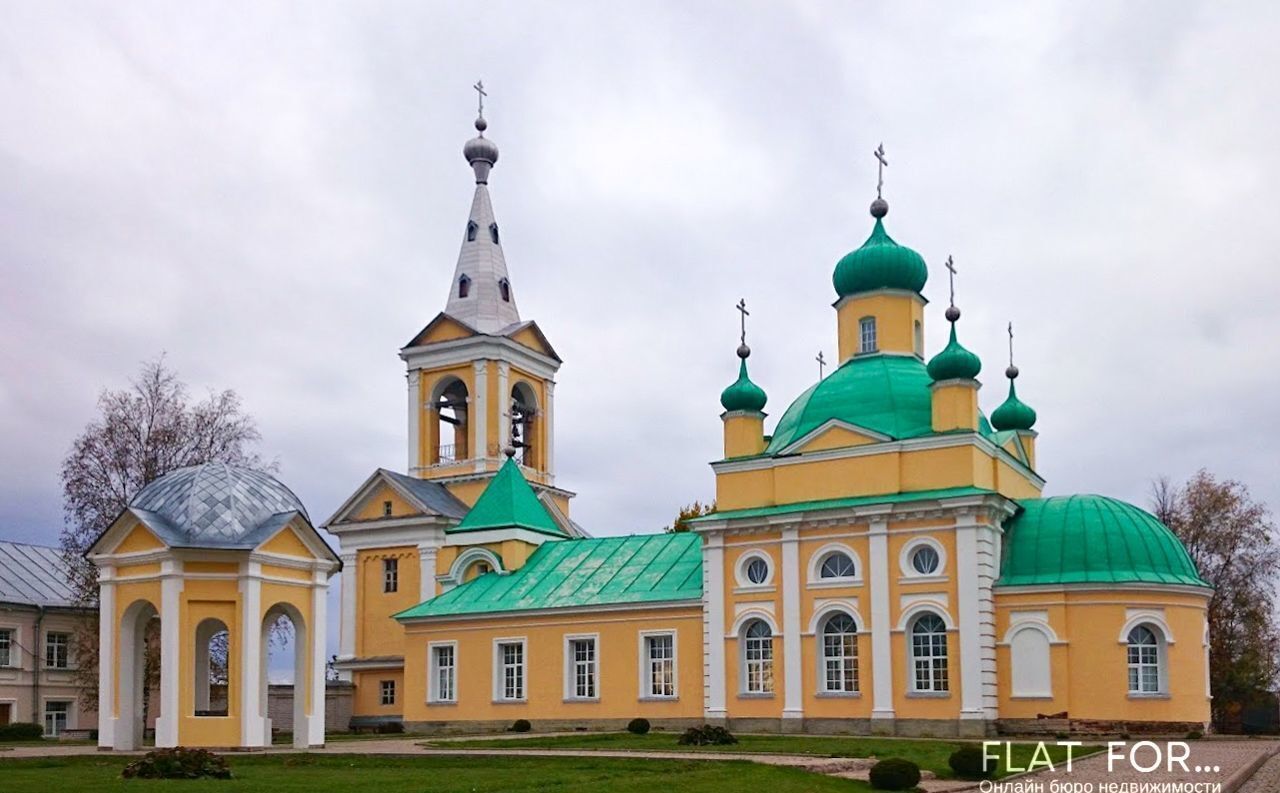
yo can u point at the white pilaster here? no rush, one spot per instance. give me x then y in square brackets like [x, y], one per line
[319, 667]
[967, 617]
[792, 700]
[415, 412]
[713, 626]
[881, 650]
[426, 571]
[107, 628]
[549, 430]
[251, 654]
[347, 625]
[504, 405]
[173, 647]
[479, 417]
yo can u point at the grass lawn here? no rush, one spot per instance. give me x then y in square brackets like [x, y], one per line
[433, 774]
[928, 754]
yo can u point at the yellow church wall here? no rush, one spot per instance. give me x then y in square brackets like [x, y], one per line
[446, 330]
[136, 570]
[896, 315]
[743, 434]
[739, 600]
[287, 543]
[618, 648]
[378, 634]
[375, 507]
[202, 600]
[467, 491]
[530, 339]
[955, 407]
[744, 489]
[138, 540]
[927, 705]
[367, 699]
[430, 380]
[128, 593]
[836, 438]
[819, 594]
[279, 571]
[1090, 672]
[298, 597]
[1012, 483]
[210, 568]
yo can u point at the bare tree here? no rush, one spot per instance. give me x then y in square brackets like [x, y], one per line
[1233, 543]
[141, 433]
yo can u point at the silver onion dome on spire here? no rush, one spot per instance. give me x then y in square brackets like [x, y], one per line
[481, 153]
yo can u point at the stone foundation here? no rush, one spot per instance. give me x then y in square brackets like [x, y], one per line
[544, 725]
[1096, 727]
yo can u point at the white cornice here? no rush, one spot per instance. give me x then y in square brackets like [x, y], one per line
[390, 537]
[995, 506]
[465, 350]
[1135, 586]
[887, 292]
[692, 603]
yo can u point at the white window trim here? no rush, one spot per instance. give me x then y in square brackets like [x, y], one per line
[1044, 629]
[433, 685]
[863, 349]
[498, 687]
[816, 559]
[390, 572]
[909, 572]
[912, 617]
[646, 693]
[1162, 661]
[15, 657]
[820, 624]
[44, 710]
[740, 570]
[44, 655]
[743, 690]
[570, 667]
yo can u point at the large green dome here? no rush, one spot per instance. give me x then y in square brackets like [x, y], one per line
[880, 263]
[888, 394]
[1089, 539]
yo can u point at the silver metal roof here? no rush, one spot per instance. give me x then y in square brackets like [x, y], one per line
[33, 575]
[214, 504]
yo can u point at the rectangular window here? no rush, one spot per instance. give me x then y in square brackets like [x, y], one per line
[390, 575]
[867, 334]
[386, 509]
[510, 669]
[6, 648]
[660, 665]
[55, 650]
[6, 713]
[444, 678]
[582, 668]
[55, 717]
[388, 692]
[1144, 669]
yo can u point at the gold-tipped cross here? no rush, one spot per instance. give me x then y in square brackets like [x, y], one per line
[480, 95]
[951, 269]
[822, 362]
[742, 307]
[880, 176]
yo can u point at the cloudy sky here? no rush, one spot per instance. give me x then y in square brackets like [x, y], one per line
[274, 194]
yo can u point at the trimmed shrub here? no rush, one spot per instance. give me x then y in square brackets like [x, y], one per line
[970, 762]
[521, 725]
[707, 735]
[178, 763]
[895, 774]
[1194, 735]
[21, 731]
[638, 726]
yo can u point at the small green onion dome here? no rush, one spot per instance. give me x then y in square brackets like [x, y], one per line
[1013, 414]
[743, 394]
[880, 263]
[954, 362]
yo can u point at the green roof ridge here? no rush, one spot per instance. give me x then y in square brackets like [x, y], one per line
[508, 502]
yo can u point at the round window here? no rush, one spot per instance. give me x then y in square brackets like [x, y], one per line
[836, 565]
[757, 571]
[924, 560]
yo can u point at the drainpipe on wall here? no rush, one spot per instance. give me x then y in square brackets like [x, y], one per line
[35, 675]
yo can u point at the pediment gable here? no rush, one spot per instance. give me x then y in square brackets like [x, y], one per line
[835, 434]
[409, 498]
[441, 329]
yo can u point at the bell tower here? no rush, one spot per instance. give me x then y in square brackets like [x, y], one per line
[481, 381]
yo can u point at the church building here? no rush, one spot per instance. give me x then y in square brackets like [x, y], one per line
[882, 561]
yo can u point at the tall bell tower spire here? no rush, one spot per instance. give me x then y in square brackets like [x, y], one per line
[481, 295]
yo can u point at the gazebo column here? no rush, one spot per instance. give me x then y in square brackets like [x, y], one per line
[107, 643]
[171, 652]
[252, 725]
[316, 654]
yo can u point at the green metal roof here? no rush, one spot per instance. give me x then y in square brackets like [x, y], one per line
[508, 502]
[888, 394]
[600, 571]
[880, 263]
[842, 503]
[1091, 539]
[743, 394]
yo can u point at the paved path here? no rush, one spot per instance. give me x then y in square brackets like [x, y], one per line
[1230, 763]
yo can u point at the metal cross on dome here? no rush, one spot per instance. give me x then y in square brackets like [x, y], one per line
[822, 362]
[1011, 344]
[480, 95]
[879, 153]
[742, 307]
[951, 269]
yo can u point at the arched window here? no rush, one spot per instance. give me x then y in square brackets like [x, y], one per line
[472, 228]
[493, 232]
[464, 286]
[757, 658]
[504, 288]
[867, 334]
[212, 667]
[451, 426]
[1146, 674]
[929, 653]
[840, 654]
[837, 565]
[524, 410]
[1029, 654]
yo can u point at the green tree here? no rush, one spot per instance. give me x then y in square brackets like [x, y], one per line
[1233, 542]
[687, 513]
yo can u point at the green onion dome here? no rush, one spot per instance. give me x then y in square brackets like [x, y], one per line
[1087, 539]
[880, 263]
[1013, 414]
[743, 394]
[954, 362]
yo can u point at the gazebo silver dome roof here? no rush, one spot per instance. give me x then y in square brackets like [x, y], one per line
[216, 505]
